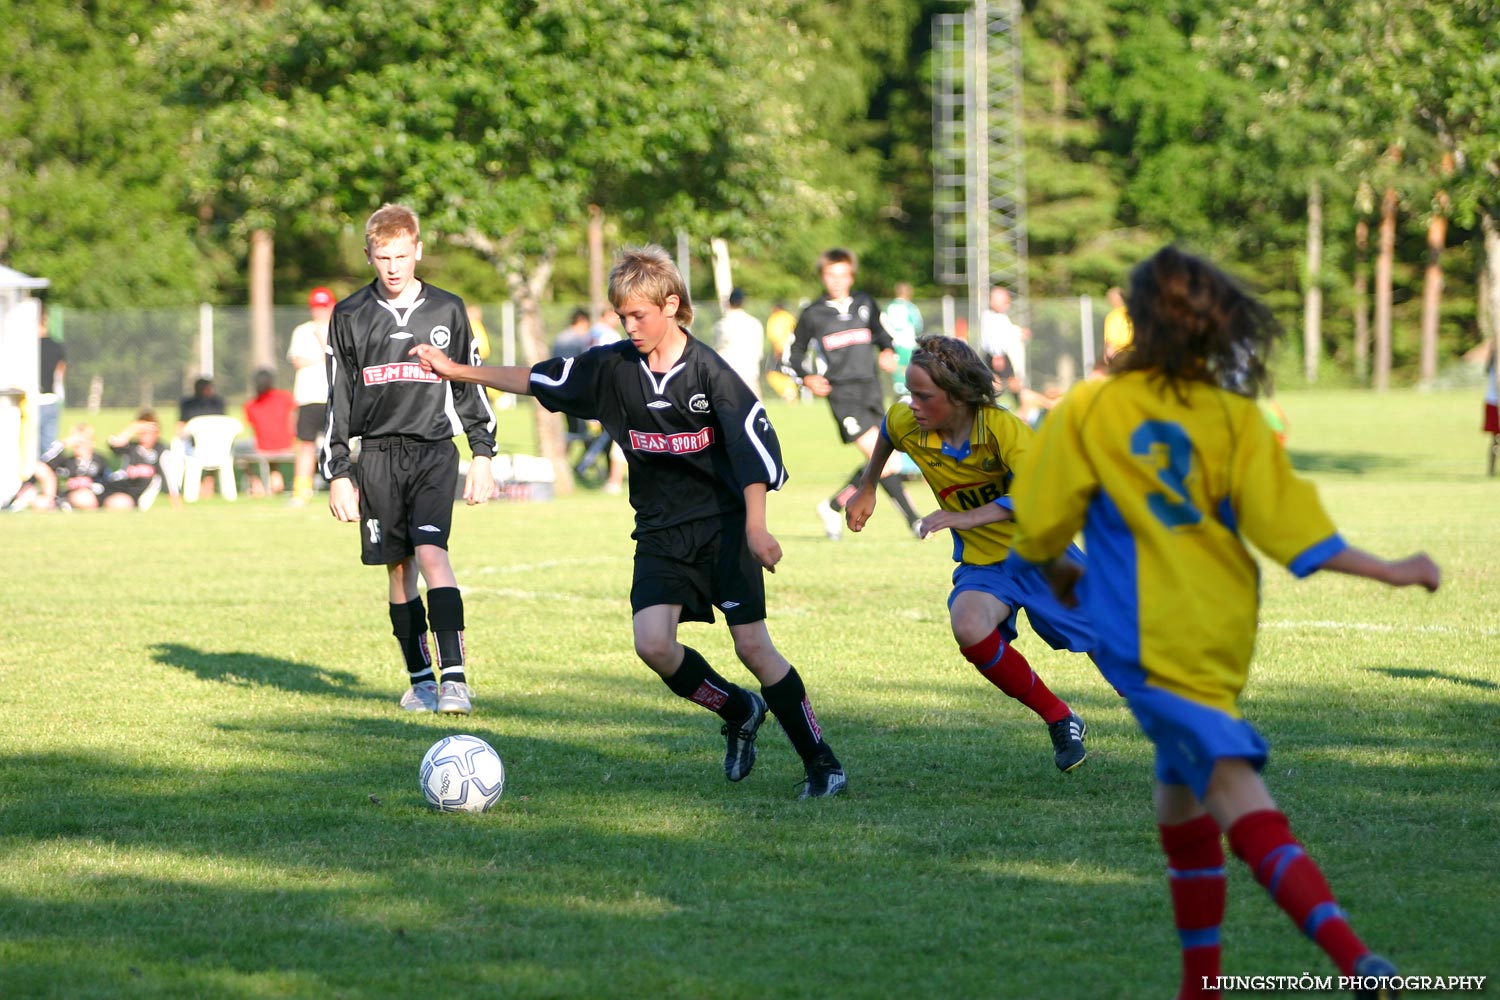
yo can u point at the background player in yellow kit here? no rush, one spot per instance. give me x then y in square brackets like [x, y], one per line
[967, 448]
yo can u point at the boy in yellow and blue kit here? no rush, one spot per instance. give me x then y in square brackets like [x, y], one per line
[1167, 467]
[967, 449]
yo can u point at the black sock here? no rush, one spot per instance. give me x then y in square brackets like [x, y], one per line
[409, 626]
[843, 493]
[446, 615]
[897, 492]
[787, 700]
[699, 683]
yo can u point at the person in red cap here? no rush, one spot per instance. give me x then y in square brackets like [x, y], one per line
[308, 354]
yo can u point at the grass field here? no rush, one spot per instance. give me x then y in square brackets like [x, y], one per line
[209, 792]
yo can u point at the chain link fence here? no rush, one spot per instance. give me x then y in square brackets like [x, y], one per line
[150, 357]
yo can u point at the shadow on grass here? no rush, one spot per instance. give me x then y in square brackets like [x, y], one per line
[1349, 462]
[246, 669]
[303, 863]
[1412, 673]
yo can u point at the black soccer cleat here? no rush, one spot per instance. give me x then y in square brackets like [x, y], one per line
[739, 740]
[1067, 742]
[1373, 978]
[825, 776]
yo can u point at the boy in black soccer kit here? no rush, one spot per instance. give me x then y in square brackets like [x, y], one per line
[400, 491]
[702, 457]
[846, 326]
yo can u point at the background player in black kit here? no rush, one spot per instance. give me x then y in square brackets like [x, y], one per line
[702, 457]
[400, 491]
[846, 326]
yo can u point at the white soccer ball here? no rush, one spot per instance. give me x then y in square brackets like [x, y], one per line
[462, 774]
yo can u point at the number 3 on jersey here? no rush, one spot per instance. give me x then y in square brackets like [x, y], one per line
[1166, 446]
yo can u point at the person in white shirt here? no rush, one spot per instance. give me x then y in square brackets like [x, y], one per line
[308, 354]
[741, 340]
[1002, 341]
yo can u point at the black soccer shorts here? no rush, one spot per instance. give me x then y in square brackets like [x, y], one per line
[700, 565]
[857, 406]
[406, 490]
[310, 420]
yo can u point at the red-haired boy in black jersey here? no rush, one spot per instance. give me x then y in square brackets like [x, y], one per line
[400, 491]
[856, 348]
[702, 457]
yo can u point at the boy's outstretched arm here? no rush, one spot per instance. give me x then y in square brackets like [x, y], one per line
[860, 506]
[1417, 570]
[763, 545]
[514, 379]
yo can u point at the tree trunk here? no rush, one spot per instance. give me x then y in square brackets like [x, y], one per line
[1312, 304]
[262, 330]
[1384, 265]
[1432, 280]
[1362, 300]
[551, 432]
[597, 300]
[1432, 290]
[1491, 230]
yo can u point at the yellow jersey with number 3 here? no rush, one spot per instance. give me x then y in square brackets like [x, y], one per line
[1165, 489]
[964, 479]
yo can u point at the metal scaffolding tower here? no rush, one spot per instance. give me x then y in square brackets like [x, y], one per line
[979, 177]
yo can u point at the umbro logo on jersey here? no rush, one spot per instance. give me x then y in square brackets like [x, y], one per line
[699, 403]
[428, 527]
[439, 336]
[730, 605]
[658, 404]
[403, 335]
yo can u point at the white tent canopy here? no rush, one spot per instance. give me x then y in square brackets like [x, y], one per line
[20, 315]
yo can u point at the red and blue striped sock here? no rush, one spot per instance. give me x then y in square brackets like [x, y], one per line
[1264, 841]
[1195, 872]
[1003, 666]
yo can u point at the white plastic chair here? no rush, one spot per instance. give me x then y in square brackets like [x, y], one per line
[213, 451]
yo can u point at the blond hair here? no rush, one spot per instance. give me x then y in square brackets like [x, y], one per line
[391, 222]
[648, 273]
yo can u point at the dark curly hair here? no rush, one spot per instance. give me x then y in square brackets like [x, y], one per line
[957, 370]
[1194, 323]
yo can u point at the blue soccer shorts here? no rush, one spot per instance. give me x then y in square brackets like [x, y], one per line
[1190, 737]
[1019, 584]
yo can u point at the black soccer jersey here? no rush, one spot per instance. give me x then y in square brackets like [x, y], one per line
[849, 339]
[138, 462]
[74, 473]
[694, 436]
[376, 389]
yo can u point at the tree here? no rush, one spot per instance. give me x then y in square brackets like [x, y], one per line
[500, 124]
[92, 191]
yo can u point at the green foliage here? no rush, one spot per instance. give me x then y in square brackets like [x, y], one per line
[91, 178]
[499, 124]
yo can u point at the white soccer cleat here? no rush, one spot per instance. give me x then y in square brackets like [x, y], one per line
[833, 521]
[421, 697]
[453, 698]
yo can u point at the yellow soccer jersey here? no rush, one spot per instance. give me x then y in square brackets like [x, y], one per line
[1164, 487]
[981, 474]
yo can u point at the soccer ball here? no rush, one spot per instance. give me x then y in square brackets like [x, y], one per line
[462, 774]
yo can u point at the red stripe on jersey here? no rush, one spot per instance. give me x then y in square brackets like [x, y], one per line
[943, 495]
[400, 371]
[846, 338]
[675, 444]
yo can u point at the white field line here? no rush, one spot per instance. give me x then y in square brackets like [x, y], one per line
[1375, 627]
